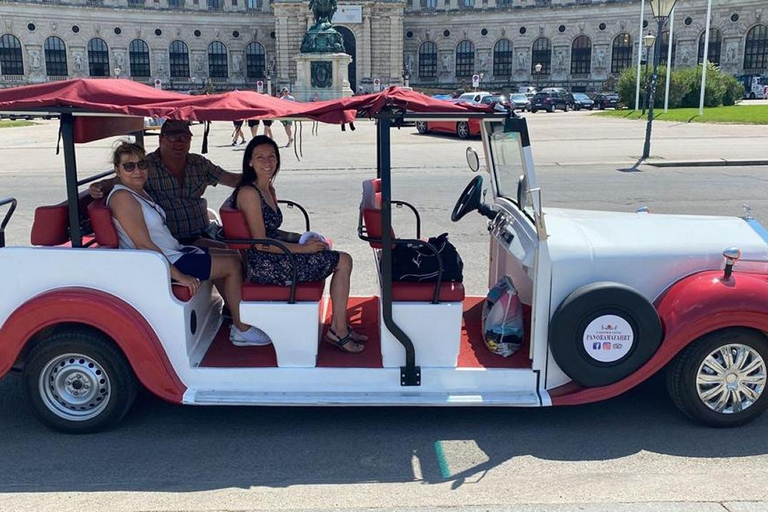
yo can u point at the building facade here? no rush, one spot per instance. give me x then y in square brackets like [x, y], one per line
[431, 44]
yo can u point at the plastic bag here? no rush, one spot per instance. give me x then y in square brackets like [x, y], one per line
[503, 325]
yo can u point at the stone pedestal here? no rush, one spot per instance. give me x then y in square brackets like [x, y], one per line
[312, 76]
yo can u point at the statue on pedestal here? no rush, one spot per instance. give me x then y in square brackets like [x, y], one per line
[321, 37]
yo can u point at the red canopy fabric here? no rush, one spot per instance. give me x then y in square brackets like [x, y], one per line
[130, 98]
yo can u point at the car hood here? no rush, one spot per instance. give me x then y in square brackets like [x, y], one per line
[646, 251]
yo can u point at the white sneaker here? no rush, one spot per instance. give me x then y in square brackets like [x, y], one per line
[253, 337]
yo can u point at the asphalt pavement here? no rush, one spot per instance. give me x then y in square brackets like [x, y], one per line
[635, 453]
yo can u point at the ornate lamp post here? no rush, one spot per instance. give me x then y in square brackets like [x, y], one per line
[193, 79]
[406, 76]
[537, 68]
[661, 11]
[648, 41]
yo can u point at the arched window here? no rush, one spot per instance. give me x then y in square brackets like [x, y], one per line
[255, 57]
[138, 53]
[465, 59]
[715, 43]
[178, 54]
[665, 49]
[428, 60]
[11, 61]
[581, 56]
[98, 57]
[502, 58]
[55, 57]
[621, 56]
[756, 48]
[541, 53]
[217, 60]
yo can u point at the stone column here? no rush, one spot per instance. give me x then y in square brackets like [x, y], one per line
[364, 51]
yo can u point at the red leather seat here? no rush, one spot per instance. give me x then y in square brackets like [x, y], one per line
[401, 291]
[50, 226]
[235, 226]
[106, 237]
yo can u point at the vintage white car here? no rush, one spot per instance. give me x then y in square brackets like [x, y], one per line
[609, 299]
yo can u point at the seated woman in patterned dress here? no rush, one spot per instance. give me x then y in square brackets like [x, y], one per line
[256, 198]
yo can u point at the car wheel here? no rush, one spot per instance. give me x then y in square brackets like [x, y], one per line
[566, 108]
[462, 129]
[720, 379]
[603, 332]
[601, 107]
[752, 96]
[421, 127]
[77, 381]
[551, 108]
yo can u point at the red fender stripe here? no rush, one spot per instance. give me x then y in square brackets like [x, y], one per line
[114, 317]
[692, 307]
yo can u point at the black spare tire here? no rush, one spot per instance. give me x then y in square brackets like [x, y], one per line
[603, 332]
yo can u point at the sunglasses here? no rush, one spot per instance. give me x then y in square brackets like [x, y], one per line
[178, 137]
[131, 166]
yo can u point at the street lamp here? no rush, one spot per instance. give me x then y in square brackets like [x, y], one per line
[661, 11]
[648, 41]
[537, 68]
[406, 75]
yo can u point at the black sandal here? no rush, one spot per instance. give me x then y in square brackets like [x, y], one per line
[354, 333]
[341, 343]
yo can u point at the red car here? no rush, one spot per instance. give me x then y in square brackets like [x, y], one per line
[463, 129]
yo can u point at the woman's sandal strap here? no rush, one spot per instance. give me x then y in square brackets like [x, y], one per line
[339, 342]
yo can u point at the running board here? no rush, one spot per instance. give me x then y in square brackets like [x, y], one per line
[514, 399]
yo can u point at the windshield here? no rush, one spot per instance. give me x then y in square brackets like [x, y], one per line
[519, 97]
[507, 155]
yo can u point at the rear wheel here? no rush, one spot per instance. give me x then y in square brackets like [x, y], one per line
[566, 108]
[720, 379]
[462, 130]
[76, 381]
[421, 127]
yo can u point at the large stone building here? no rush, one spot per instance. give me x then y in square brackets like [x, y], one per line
[433, 44]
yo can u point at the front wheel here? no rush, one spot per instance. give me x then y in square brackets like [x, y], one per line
[421, 127]
[462, 130]
[720, 379]
[77, 381]
[566, 108]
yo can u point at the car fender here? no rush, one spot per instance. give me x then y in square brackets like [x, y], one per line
[107, 313]
[690, 308]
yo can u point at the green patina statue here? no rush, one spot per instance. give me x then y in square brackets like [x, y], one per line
[321, 37]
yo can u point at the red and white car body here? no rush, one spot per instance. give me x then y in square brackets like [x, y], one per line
[609, 299]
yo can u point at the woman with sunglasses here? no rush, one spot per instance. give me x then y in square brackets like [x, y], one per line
[140, 224]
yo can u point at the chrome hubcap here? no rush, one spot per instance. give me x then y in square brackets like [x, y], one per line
[74, 387]
[463, 129]
[731, 378]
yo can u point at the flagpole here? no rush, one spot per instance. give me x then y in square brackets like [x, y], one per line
[639, 54]
[705, 59]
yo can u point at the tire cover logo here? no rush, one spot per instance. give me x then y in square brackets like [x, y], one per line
[608, 338]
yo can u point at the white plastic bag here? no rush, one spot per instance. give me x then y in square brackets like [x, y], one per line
[503, 325]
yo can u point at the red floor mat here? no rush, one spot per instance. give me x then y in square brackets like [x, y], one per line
[363, 314]
[474, 354]
[223, 354]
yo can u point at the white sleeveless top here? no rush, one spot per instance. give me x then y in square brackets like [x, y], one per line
[154, 218]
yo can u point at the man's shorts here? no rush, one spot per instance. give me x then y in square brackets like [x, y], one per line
[196, 264]
[253, 122]
[237, 124]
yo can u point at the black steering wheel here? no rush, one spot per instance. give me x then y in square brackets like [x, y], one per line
[469, 199]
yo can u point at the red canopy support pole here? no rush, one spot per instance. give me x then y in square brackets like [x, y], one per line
[70, 170]
[410, 374]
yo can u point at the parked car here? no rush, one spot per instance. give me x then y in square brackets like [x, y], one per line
[581, 101]
[551, 101]
[529, 91]
[499, 101]
[462, 129]
[474, 97]
[521, 101]
[605, 100]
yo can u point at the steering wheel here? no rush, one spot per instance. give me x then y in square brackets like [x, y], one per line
[469, 199]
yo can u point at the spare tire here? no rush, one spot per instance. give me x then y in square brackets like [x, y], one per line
[603, 332]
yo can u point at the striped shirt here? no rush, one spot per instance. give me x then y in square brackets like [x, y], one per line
[186, 210]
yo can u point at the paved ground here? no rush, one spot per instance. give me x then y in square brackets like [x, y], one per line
[634, 453]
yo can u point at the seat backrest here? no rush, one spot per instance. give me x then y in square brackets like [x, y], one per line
[234, 224]
[103, 228]
[370, 206]
[50, 226]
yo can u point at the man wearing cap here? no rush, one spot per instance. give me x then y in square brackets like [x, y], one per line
[177, 181]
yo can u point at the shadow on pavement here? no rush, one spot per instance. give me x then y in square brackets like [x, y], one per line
[177, 448]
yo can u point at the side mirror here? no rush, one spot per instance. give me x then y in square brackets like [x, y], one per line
[522, 192]
[473, 160]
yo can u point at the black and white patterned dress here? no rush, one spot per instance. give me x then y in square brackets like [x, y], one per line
[275, 268]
